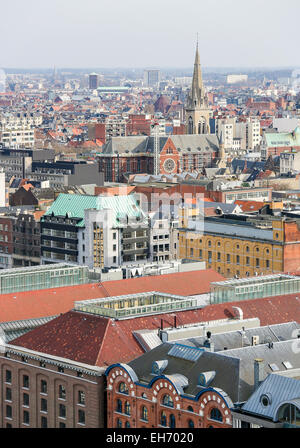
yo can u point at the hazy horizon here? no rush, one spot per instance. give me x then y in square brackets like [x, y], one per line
[137, 34]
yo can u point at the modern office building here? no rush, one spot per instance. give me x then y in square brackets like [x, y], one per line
[151, 77]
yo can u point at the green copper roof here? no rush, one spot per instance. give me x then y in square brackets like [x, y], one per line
[74, 205]
[283, 138]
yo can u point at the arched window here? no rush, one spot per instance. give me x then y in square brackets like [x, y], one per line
[216, 415]
[289, 413]
[127, 425]
[190, 126]
[167, 401]
[172, 421]
[191, 424]
[119, 423]
[163, 419]
[123, 388]
[127, 408]
[119, 406]
[144, 413]
[190, 409]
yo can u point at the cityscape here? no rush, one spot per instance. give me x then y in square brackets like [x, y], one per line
[149, 224]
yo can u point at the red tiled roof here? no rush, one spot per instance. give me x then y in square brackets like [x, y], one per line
[249, 206]
[45, 302]
[49, 302]
[97, 340]
[181, 283]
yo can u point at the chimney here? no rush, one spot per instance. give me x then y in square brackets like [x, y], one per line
[259, 373]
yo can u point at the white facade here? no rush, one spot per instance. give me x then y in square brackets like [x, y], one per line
[289, 162]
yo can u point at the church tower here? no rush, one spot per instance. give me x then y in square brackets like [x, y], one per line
[197, 110]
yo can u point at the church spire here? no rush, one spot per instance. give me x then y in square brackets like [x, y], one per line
[196, 95]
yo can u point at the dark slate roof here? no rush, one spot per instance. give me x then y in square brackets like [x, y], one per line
[277, 354]
[144, 144]
[226, 368]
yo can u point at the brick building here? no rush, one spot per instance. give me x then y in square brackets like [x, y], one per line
[48, 392]
[241, 245]
[178, 153]
[143, 396]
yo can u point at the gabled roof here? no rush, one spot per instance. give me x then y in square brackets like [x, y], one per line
[118, 344]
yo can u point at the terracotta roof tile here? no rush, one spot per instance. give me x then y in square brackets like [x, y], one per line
[103, 341]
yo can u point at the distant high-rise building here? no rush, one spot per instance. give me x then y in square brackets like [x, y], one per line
[151, 77]
[93, 81]
[236, 79]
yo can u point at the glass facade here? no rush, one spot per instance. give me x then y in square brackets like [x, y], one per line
[136, 304]
[254, 288]
[42, 277]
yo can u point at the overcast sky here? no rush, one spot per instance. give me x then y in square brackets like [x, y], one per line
[152, 33]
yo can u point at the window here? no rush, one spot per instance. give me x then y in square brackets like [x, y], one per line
[172, 421]
[247, 261]
[144, 413]
[209, 256]
[228, 258]
[44, 422]
[62, 425]
[127, 408]
[8, 394]
[119, 423]
[26, 417]
[44, 405]
[81, 417]
[26, 381]
[127, 425]
[81, 397]
[8, 376]
[167, 401]
[237, 259]
[123, 389]
[25, 400]
[163, 419]
[257, 262]
[60, 369]
[62, 392]
[8, 411]
[267, 263]
[43, 386]
[190, 409]
[191, 424]
[216, 415]
[219, 256]
[119, 407]
[62, 411]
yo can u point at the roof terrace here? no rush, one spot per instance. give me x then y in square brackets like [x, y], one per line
[136, 305]
[254, 287]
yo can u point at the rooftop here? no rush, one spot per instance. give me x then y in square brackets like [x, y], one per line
[128, 306]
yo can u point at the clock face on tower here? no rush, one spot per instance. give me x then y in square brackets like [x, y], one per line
[169, 165]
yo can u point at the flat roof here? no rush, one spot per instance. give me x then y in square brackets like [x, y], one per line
[131, 305]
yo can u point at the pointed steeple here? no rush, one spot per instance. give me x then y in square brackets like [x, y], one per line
[196, 95]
